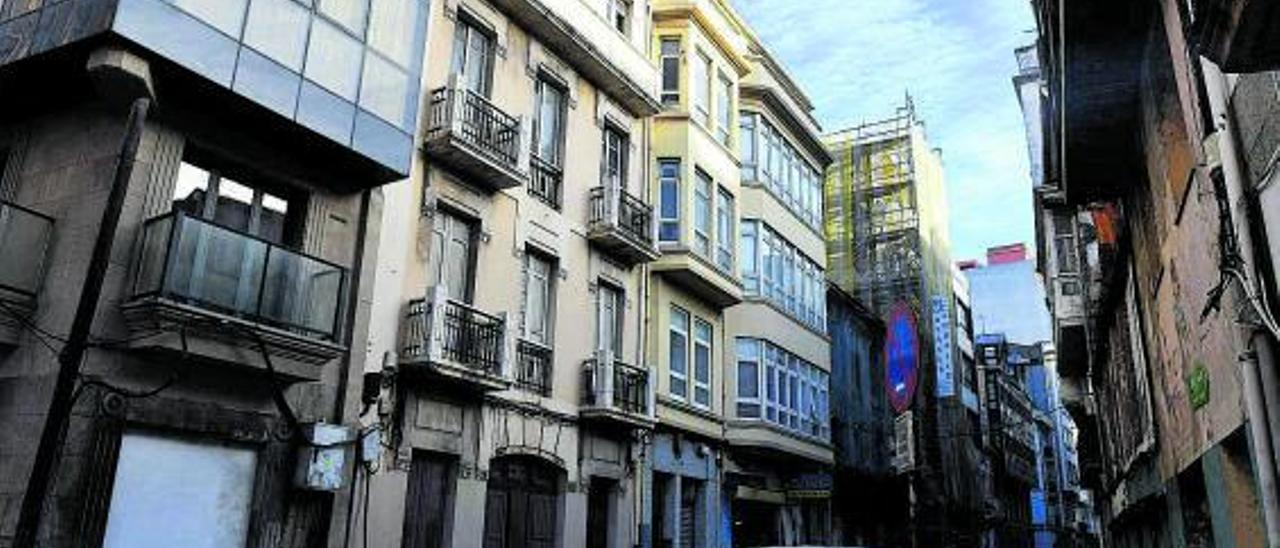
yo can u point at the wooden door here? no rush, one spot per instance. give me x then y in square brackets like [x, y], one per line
[428, 503]
[598, 512]
[522, 504]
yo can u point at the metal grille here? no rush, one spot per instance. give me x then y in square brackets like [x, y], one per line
[635, 218]
[477, 122]
[472, 338]
[1256, 105]
[545, 182]
[533, 367]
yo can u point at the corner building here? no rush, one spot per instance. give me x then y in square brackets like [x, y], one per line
[516, 397]
[235, 285]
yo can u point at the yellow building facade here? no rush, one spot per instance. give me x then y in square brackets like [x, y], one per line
[736, 311]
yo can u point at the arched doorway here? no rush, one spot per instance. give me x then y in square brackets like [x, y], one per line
[522, 507]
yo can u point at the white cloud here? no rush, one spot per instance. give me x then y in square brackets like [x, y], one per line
[857, 58]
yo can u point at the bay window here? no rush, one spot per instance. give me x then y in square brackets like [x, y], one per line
[769, 160]
[690, 349]
[772, 268]
[781, 388]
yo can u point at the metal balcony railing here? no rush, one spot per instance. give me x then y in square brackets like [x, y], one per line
[533, 367]
[200, 263]
[545, 181]
[480, 124]
[441, 329]
[611, 384]
[24, 239]
[615, 207]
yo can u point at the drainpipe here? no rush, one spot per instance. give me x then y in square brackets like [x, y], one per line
[1263, 452]
[1256, 385]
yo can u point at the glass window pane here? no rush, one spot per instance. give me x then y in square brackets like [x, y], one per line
[393, 29]
[348, 13]
[384, 90]
[190, 192]
[235, 205]
[278, 29]
[224, 15]
[333, 59]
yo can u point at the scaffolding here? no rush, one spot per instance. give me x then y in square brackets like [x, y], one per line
[873, 218]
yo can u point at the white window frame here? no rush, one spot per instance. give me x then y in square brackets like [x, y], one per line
[703, 213]
[701, 78]
[679, 378]
[670, 96]
[703, 385]
[756, 347]
[663, 219]
[724, 109]
[547, 284]
[724, 228]
[616, 9]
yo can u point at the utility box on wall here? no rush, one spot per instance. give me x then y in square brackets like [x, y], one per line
[322, 460]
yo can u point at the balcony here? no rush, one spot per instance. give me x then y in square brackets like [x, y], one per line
[455, 342]
[615, 393]
[533, 367]
[24, 239]
[197, 277]
[545, 182]
[476, 139]
[622, 225]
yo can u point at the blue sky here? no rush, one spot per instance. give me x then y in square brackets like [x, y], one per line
[857, 58]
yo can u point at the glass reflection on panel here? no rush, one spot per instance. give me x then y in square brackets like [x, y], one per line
[333, 59]
[348, 13]
[278, 29]
[393, 28]
[224, 15]
[384, 90]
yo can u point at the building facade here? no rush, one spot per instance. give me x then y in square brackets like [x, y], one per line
[1156, 164]
[778, 371]
[886, 225]
[184, 290]
[862, 430]
[511, 286]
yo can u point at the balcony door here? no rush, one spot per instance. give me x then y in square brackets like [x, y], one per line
[452, 255]
[473, 55]
[609, 320]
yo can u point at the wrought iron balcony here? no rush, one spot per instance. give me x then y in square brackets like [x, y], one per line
[545, 181]
[476, 139]
[455, 341]
[616, 392]
[193, 274]
[622, 224]
[533, 367]
[24, 239]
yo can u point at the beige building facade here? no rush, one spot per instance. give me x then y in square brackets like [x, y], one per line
[511, 284]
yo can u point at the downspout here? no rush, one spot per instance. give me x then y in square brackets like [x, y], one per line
[1254, 383]
[1263, 452]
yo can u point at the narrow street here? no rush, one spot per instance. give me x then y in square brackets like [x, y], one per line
[639, 273]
